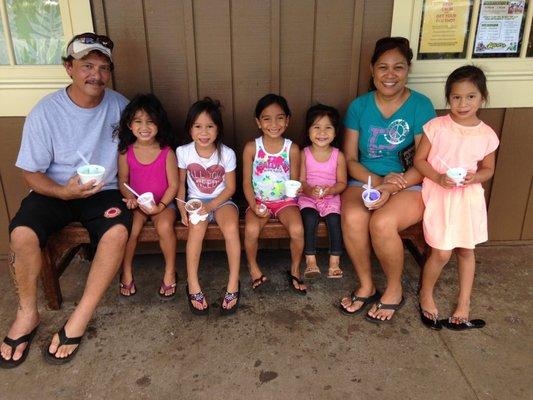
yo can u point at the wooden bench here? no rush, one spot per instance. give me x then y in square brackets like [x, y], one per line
[65, 244]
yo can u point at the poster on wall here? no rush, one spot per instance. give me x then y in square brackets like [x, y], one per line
[444, 29]
[499, 28]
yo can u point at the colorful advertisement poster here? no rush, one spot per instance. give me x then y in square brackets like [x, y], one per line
[499, 26]
[444, 26]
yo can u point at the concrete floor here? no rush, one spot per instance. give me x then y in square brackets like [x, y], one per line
[283, 346]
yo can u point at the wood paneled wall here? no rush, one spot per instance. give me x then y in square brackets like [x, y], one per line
[238, 50]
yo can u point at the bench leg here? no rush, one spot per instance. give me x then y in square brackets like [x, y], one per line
[50, 278]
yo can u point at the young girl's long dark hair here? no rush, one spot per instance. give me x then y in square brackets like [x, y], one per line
[151, 105]
[212, 108]
[320, 111]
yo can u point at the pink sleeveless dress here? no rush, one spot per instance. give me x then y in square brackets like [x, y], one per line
[321, 174]
[456, 217]
[148, 177]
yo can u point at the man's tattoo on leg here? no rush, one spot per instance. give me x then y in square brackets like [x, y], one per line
[14, 276]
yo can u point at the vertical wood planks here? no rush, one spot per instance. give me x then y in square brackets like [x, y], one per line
[125, 26]
[512, 180]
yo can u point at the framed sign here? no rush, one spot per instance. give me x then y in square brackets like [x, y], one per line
[500, 28]
[444, 29]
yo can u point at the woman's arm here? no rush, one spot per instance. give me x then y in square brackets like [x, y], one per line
[351, 151]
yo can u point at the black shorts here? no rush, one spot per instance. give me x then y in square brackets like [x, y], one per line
[98, 213]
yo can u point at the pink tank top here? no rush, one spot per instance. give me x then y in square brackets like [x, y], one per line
[149, 177]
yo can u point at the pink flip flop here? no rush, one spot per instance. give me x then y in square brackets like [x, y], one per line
[130, 286]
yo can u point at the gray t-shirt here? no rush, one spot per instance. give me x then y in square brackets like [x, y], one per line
[56, 128]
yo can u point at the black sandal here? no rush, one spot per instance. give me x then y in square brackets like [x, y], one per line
[228, 298]
[463, 324]
[13, 343]
[291, 278]
[366, 302]
[198, 297]
[432, 322]
[63, 340]
[383, 306]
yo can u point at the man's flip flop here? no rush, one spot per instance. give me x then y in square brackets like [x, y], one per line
[13, 343]
[383, 306]
[463, 324]
[257, 283]
[366, 302]
[291, 278]
[63, 340]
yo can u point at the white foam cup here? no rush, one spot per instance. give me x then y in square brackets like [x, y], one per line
[291, 188]
[193, 206]
[91, 171]
[457, 174]
[370, 196]
[262, 208]
[146, 200]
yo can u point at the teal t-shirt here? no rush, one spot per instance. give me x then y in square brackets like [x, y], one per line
[380, 139]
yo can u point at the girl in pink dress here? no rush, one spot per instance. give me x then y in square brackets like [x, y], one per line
[147, 163]
[323, 176]
[455, 217]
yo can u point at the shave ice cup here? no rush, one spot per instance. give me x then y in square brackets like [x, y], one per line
[89, 172]
[146, 200]
[291, 188]
[457, 175]
[370, 196]
[193, 206]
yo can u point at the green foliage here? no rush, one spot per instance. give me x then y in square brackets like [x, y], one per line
[36, 31]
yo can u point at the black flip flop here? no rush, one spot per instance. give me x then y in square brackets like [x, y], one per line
[63, 340]
[431, 323]
[463, 325]
[260, 282]
[291, 278]
[366, 302]
[13, 343]
[383, 306]
[198, 297]
[229, 297]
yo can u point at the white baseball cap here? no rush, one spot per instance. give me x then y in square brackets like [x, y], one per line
[83, 44]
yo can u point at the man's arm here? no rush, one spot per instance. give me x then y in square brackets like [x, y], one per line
[42, 184]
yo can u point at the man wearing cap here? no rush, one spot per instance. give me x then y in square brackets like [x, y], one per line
[78, 119]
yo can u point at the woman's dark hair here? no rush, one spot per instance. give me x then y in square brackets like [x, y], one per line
[270, 99]
[212, 108]
[151, 105]
[389, 43]
[319, 111]
[469, 73]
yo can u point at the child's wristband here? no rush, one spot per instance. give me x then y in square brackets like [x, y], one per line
[164, 205]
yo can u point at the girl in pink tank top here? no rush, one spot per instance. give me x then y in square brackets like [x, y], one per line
[323, 177]
[147, 164]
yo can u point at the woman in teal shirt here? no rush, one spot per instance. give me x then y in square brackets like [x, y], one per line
[381, 127]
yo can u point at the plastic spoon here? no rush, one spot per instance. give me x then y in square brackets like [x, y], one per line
[369, 184]
[181, 201]
[83, 158]
[131, 190]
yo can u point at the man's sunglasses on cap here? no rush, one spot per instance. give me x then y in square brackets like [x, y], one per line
[91, 38]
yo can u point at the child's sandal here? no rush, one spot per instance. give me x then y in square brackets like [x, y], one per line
[228, 298]
[199, 298]
[335, 273]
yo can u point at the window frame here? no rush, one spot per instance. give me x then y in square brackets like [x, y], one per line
[25, 85]
[510, 80]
